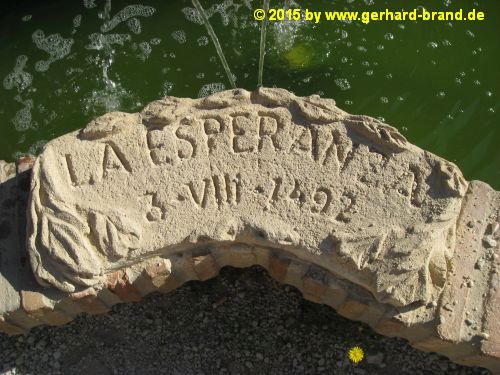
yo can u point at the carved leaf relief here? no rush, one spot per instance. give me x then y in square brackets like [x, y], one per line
[115, 235]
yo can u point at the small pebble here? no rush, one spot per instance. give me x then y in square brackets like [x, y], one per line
[489, 242]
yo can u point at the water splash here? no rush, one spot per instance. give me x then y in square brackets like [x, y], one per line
[218, 47]
[263, 31]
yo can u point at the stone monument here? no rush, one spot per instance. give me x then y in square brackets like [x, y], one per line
[339, 205]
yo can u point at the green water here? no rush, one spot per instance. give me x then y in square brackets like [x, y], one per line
[437, 82]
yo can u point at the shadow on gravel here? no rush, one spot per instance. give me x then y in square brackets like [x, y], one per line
[242, 322]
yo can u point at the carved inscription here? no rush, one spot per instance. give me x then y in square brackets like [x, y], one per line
[317, 199]
[248, 133]
[289, 173]
[216, 190]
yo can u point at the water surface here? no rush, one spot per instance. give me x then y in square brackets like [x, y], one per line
[63, 63]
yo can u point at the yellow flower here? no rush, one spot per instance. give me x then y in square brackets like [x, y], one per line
[356, 354]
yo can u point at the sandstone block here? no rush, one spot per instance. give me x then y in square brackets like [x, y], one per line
[341, 206]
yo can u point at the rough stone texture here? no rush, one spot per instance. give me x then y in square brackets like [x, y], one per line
[267, 169]
[340, 206]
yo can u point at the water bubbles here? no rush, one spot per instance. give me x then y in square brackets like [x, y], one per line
[202, 41]
[77, 21]
[344, 59]
[211, 88]
[192, 15]
[22, 119]
[166, 88]
[179, 36]
[432, 45]
[55, 45]
[104, 100]
[224, 10]
[343, 84]
[26, 18]
[155, 41]
[18, 78]
[489, 93]
[400, 98]
[440, 94]
[200, 75]
[380, 47]
[362, 49]
[284, 34]
[37, 147]
[99, 41]
[134, 25]
[144, 50]
[389, 36]
[89, 4]
[128, 12]
[388, 76]
[349, 102]
[369, 72]
[365, 63]
[477, 83]
[384, 100]
[446, 43]
[470, 34]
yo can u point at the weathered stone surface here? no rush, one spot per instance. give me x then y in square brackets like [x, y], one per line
[340, 206]
[264, 168]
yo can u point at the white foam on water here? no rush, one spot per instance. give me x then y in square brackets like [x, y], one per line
[343, 84]
[192, 15]
[37, 147]
[202, 41]
[134, 25]
[166, 88]
[145, 50]
[77, 21]
[128, 12]
[55, 45]
[155, 41]
[26, 18]
[18, 78]
[211, 88]
[225, 9]
[99, 41]
[179, 36]
[89, 4]
[23, 120]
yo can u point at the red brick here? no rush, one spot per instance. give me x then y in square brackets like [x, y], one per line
[119, 284]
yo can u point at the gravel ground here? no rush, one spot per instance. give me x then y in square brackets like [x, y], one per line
[242, 322]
